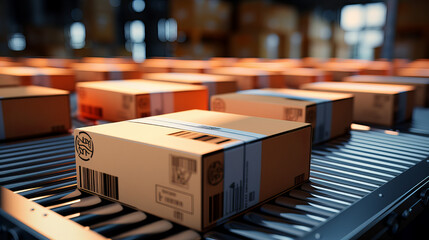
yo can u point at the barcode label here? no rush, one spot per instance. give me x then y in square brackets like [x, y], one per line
[234, 198]
[92, 110]
[178, 215]
[201, 137]
[215, 207]
[98, 182]
[182, 169]
[251, 196]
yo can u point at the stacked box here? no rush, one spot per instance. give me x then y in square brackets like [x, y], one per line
[295, 77]
[124, 100]
[378, 104]
[105, 71]
[330, 114]
[248, 78]
[32, 110]
[216, 84]
[196, 168]
[156, 65]
[48, 77]
[421, 85]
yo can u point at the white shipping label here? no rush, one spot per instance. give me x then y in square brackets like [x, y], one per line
[233, 184]
[2, 130]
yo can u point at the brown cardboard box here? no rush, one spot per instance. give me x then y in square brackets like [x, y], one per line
[421, 85]
[320, 48]
[105, 71]
[414, 72]
[248, 78]
[123, 100]
[156, 65]
[48, 77]
[330, 114]
[193, 167]
[379, 104]
[295, 77]
[340, 70]
[259, 15]
[378, 68]
[202, 15]
[191, 66]
[33, 110]
[216, 84]
[265, 45]
[48, 62]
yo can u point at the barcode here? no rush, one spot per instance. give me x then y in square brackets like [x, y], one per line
[184, 163]
[98, 182]
[201, 137]
[91, 110]
[215, 207]
[178, 215]
[182, 169]
[234, 198]
[252, 196]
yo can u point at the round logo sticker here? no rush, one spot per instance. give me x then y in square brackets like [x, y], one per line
[84, 146]
[215, 173]
[218, 105]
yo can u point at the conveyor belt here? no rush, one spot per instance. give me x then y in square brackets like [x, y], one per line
[354, 181]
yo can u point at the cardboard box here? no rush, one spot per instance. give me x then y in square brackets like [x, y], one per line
[421, 85]
[124, 100]
[330, 114]
[248, 78]
[48, 77]
[295, 77]
[378, 104]
[414, 72]
[259, 15]
[340, 70]
[156, 65]
[216, 84]
[105, 71]
[48, 62]
[192, 66]
[196, 168]
[33, 110]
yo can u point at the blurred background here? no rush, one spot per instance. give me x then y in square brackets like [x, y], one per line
[200, 29]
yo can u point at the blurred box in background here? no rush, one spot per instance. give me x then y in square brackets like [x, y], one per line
[48, 62]
[106, 71]
[203, 15]
[263, 16]
[248, 78]
[421, 85]
[330, 114]
[32, 110]
[216, 84]
[155, 65]
[295, 77]
[123, 100]
[49, 77]
[379, 104]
